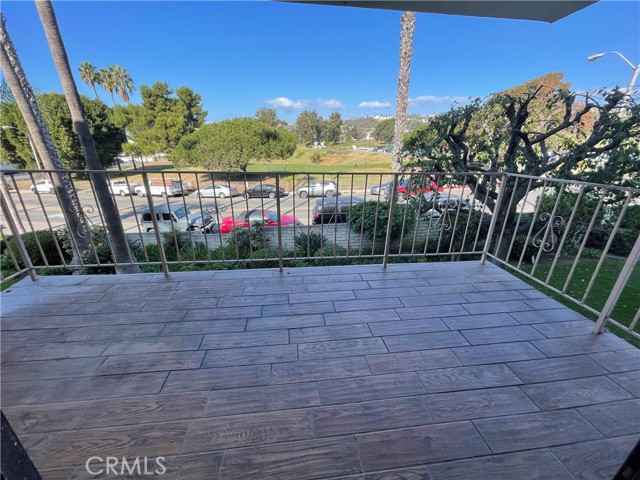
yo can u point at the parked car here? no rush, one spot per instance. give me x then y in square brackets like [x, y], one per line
[429, 206]
[266, 217]
[418, 186]
[380, 189]
[164, 188]
[264, 191]
[42, 186]
[122, 188]
[334, 210]
[175, 218]
[319, 189]
[217, 191]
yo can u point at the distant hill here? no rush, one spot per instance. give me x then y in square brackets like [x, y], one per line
[366, 125]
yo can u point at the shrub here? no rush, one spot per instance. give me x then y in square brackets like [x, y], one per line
[316, 158]
[244, 241]
[49, 242]
[622, 243]
[261, 257]
[372, 217]
[174, 243]
[330, 251]
[309, 244]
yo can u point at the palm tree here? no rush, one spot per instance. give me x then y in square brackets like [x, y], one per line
[124, 82]
[117, 238]
[26, 101]
[407, 26]
[90, 75]
[108, 81]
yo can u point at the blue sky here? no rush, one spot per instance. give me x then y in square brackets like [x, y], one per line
[241, 56]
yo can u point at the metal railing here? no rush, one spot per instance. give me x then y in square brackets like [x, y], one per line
[569, 237]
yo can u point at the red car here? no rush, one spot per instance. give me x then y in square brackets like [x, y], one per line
[417, 187]
[267, 217]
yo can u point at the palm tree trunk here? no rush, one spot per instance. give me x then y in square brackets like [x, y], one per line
[117, 238]
[26, 102]
[95, 91]
[407, 26]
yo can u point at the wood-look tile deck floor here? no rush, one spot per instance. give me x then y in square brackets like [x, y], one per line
[424, 371]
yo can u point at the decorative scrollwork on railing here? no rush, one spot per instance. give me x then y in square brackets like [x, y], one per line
[85, 222]
[550, 232]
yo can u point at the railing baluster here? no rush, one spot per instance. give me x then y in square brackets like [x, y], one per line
[22, 251]
[156, 229]
[279, 225]
[392, 201]
[621, 282]
[494, 219]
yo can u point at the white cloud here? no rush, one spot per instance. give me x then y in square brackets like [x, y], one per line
[287, 104]
[332, 103]
[374, 104]
[414, 102]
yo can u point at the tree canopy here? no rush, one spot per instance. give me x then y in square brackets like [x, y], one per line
[162, 119]
[540, 128]
[108, 138]
[384, 130]
[233, 144]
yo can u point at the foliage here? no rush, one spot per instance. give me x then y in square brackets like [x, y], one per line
[108, 138]
[48, 240]
[539, 128]
[265, 258]
[330, 251]
[270, 117]
[332, 128]
[474, 223]
[372, 217]
[162, 120]
[316, 158]
[384, 130]
[244, 241]
[309, 244]
[309, 127]
[174, 244]
[232, 144]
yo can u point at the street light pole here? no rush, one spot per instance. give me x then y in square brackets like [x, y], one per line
[33, 149]
[635, 68]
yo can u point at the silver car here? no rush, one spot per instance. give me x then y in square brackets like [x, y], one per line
[319, 189]
[217, 191]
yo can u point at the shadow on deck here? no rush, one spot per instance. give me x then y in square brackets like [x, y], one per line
[427, 370]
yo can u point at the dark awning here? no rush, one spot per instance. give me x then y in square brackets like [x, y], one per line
[542, 10]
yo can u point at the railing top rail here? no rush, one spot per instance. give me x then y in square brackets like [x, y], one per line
[236, 174]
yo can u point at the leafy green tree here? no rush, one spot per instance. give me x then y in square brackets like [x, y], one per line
[107, 136]
[333, 128]
[539, 128]
[195, 114]
[309, 127]
[158, 124]
[233, 144]
[384, 130]
[268, 116]
[90, 75]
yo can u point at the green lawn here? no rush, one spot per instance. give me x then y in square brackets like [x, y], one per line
[626, 306]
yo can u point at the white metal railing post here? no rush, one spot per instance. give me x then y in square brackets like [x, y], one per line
[22, 251]
[279, 225]
[494, 219]
[154, 220]
[392, 201]
[621, 282]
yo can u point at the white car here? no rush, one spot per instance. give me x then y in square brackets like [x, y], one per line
[122, 188]
[218, 191]
[43, 186]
